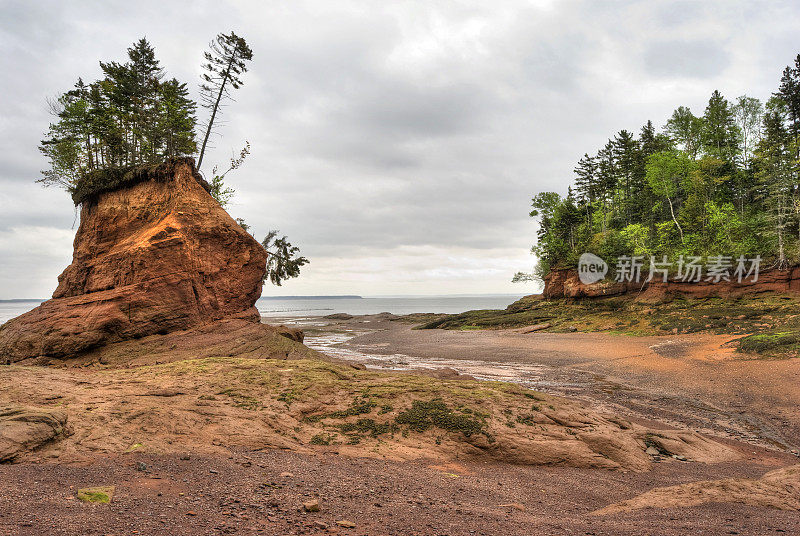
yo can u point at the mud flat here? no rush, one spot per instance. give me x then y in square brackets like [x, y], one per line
[693, 381]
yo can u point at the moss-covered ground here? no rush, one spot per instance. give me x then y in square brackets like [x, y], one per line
[341, 404]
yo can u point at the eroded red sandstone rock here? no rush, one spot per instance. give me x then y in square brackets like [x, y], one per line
[155, 257]
[565, 283]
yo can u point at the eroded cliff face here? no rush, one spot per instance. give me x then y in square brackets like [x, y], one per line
[155, 257]
[565, 283]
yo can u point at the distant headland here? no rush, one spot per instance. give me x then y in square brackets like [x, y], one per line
[344, 297]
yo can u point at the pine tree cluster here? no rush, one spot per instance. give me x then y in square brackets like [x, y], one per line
[724, 183]
[132, 117]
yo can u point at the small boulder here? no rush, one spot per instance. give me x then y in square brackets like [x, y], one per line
[311, 506]
[292, 333]
[24, 429]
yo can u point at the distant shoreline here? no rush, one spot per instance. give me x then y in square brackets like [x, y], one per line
[345, 297]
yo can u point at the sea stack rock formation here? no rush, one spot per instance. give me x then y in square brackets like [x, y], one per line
[154, 255]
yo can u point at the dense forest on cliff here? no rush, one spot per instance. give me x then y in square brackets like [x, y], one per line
[726, 182]
[133, 118]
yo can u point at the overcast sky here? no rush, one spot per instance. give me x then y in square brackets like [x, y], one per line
[397, 143]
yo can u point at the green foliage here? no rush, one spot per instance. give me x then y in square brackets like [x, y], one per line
[771, 344]
[284, 261]
[724, 183]
[422, 416]
[130, 117]
[321, 439]
[100, 494]
[219, 190]
[365, 426]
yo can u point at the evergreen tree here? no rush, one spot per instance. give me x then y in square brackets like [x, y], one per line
[586, 185]
[626, 156]
[720, 135]
[146, 75]
[789, 92]
[176, 119]
[128, 117]
[606, 183]
[284, 261]
[226, 62]
[772, 164]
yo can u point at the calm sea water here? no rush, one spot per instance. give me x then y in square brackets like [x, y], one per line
[9, 310]
[394, 305]
[354, 306]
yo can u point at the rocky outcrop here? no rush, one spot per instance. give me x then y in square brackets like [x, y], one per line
[155, 256]
[778, 489]
[24, 429]
[565, 283]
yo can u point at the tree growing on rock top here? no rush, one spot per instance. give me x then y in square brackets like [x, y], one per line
[226, 61]
[129, 117]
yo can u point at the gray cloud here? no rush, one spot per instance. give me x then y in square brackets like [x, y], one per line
[397, 144]
[695, 59]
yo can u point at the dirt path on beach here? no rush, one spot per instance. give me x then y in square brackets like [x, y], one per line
[692, 381]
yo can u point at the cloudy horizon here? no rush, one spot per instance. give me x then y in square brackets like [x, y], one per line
[397, 145]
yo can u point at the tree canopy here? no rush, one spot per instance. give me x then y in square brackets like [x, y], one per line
[132, 116]
[726, 182]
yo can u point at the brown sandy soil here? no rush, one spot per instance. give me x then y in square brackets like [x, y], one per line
[691, 380]
[251, 493]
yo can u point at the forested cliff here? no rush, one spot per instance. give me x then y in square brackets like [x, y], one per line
[722, 183]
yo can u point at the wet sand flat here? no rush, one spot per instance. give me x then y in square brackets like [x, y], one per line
[692, 381]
